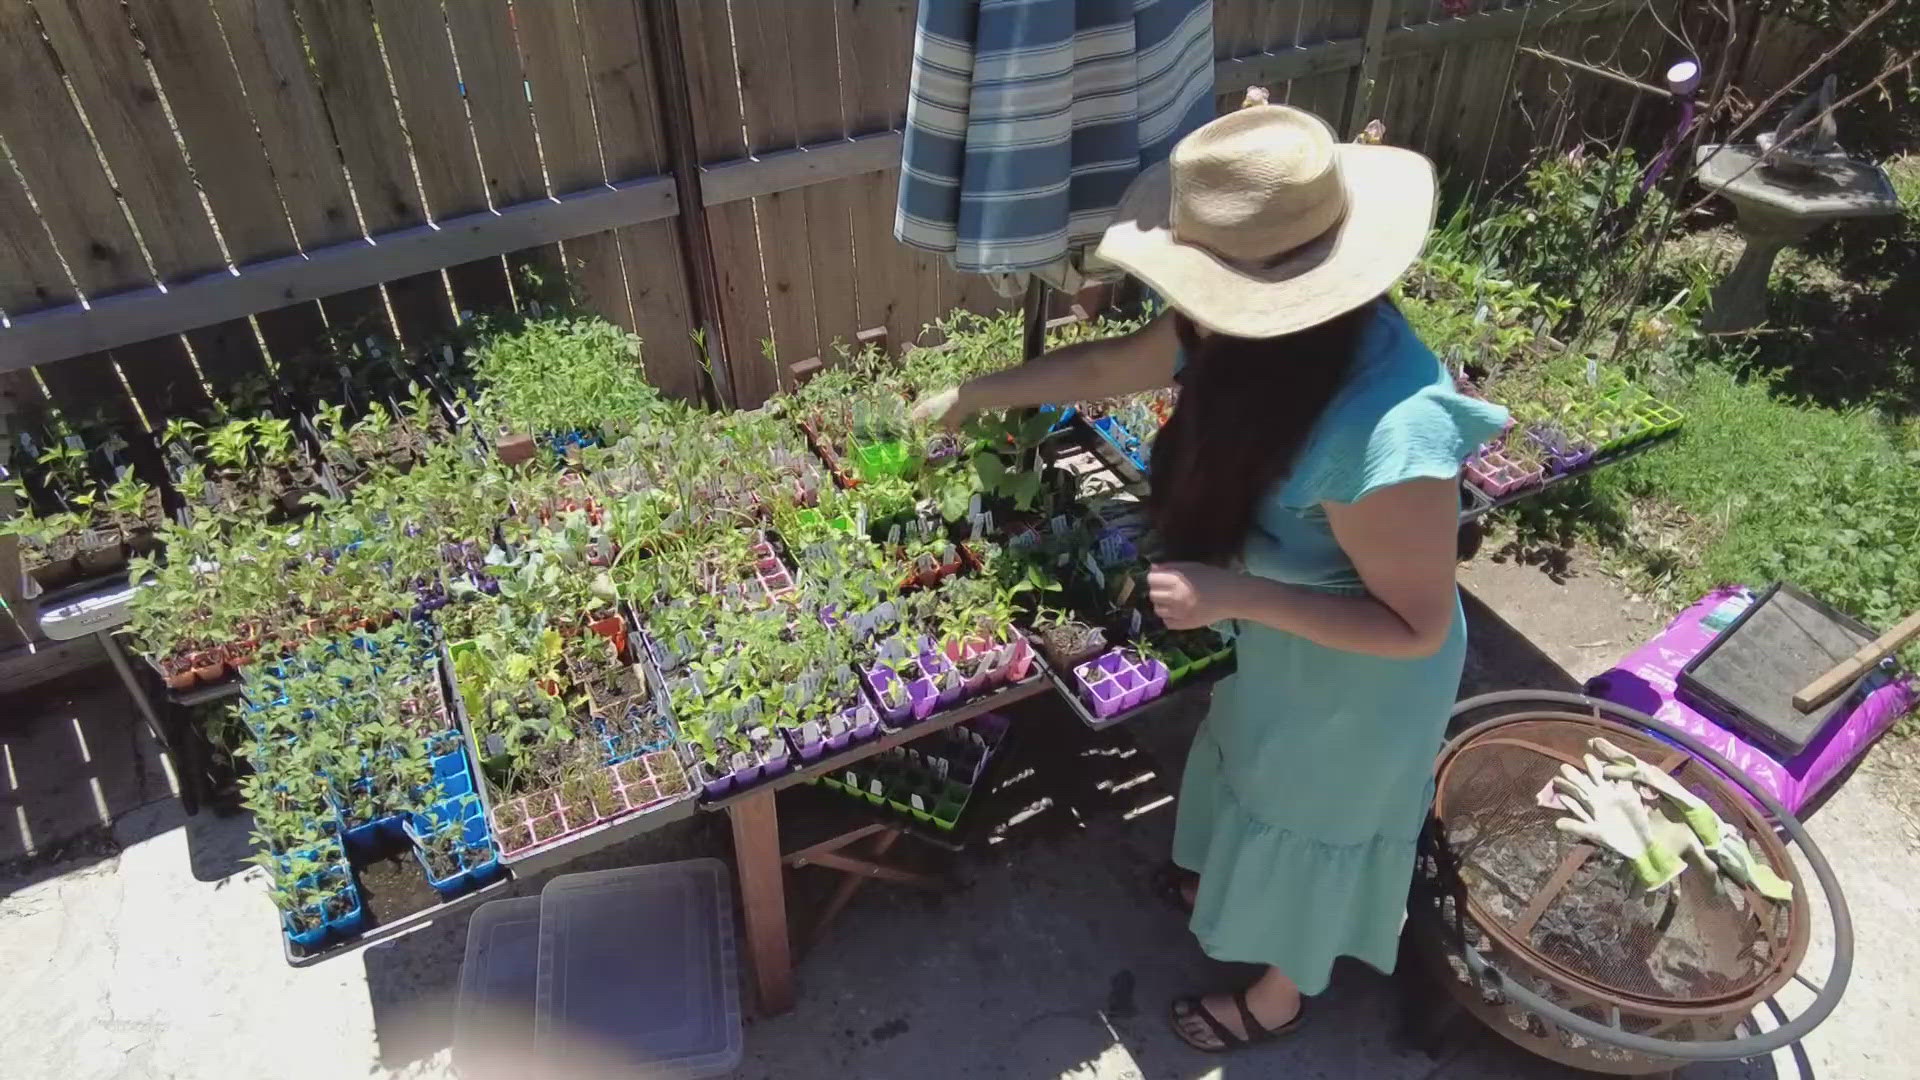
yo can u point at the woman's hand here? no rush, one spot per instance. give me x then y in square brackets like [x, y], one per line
[943, 407]
[1188, 595]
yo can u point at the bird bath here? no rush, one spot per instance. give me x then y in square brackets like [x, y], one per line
[1778, 208]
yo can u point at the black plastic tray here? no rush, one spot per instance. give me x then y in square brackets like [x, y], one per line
[1749, 673]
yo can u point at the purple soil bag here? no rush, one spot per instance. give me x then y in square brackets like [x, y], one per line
[1645, 680]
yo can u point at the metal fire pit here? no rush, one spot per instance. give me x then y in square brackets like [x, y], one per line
[1551, 943]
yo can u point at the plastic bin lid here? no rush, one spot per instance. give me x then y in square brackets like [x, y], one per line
[496, 987]
[638, 964]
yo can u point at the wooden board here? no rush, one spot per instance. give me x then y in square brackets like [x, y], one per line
[769, 87]
[557, 80]
[707, 41]
[49, 144]
[428, 87]
[873, 74]
[33, 275]
[621, 82]
[188, 52]
[162, 379]
[497, 99]
[662, 312]
[353, 85]
[292, 122]
[123, 110]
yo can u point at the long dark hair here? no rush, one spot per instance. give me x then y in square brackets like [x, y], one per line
[1246, 408]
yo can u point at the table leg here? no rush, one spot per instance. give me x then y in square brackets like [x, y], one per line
[175, 741]
[130, 681]
[843, 893]
[763, 895]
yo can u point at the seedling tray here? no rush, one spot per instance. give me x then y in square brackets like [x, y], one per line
[1064, 685]
[572, 843]
[995, 701]
[1747, 675]
[378, 929]
[1598, 461]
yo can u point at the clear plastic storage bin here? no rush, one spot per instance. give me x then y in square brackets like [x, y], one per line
[493, 1023]
[638, 964]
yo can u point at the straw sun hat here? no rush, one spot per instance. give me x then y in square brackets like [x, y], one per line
[1262, 223]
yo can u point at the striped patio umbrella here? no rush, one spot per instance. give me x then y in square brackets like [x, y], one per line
[1027, 119]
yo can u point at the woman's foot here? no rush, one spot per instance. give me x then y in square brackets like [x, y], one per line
[1177, 886]
[1268, 1009]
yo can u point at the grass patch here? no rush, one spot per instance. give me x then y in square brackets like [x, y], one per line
[1762, 487]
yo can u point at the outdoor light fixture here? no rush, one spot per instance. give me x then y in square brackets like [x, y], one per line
[1683, 78]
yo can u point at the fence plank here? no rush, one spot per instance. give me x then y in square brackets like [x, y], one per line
[415, 36]
[818, 118]
[161, 378]
[562, 111]
[291, 119]
[30, 272]
[47, 142]
[88, 392]
[187, 51]
[764, 50]
[353, 86]
[707, 42]
[621, 82]
[662, 311]
[122, 106]
[875, 40]
[497, 98]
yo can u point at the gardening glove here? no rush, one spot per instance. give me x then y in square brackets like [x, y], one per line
[1720, 840]
[1740, 864]
[941, 407]
[1609, 814]
[1698, 815]
[1680, 842]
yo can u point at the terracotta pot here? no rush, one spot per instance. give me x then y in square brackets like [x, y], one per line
[176, 673]
[208, 666]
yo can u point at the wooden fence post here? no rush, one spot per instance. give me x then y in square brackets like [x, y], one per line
[1360, 93]
[696, 245]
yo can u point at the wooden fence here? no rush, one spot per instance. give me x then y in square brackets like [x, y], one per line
[196, 190]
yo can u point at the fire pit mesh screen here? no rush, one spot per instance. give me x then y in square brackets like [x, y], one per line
[1581, 911]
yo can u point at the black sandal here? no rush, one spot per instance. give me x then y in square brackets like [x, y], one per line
[1168, 882]
[1188, 1007]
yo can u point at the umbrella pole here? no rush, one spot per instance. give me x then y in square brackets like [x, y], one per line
[1033, 341]
[1033, 336]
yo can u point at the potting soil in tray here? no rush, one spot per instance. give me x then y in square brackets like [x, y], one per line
[393, 888]
[493, 1022]
[640, 963]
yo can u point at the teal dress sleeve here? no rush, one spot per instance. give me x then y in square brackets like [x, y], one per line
[1399, 419]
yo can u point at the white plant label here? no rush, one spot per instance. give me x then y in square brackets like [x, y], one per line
[1093, 567]
[1133, 622]
[876, 788]
[853, 781]
[918, 804]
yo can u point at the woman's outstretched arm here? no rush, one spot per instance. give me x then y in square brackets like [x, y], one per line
[1142, 360]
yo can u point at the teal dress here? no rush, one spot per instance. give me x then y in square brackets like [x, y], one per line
[1309, 780]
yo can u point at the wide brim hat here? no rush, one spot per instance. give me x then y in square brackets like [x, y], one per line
[1261, 223]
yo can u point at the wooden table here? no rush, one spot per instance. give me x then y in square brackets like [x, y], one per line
[756, 841]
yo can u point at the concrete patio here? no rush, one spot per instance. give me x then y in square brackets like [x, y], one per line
[147, 950]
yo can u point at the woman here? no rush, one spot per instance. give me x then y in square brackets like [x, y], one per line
[1306, 490]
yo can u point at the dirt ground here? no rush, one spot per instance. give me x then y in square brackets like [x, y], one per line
[151, 952]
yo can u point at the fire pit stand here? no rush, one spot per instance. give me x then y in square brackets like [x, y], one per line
[1540, 937]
